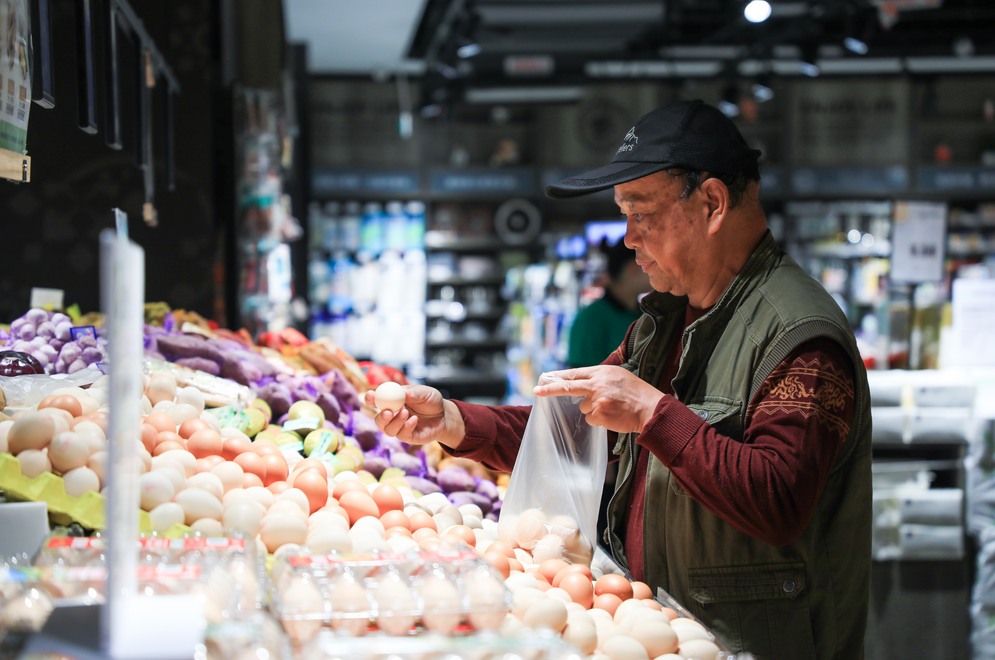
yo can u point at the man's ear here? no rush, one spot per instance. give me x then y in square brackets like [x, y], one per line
[717, 202]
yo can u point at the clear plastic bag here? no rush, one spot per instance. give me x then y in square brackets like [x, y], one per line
[551, 506]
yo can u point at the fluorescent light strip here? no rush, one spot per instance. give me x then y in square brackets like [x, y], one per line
[950, 64]
[524, 95]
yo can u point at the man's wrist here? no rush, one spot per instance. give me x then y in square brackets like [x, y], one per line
[455, 427]
[649, 411]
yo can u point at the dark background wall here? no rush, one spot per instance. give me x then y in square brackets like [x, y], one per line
[49, 228]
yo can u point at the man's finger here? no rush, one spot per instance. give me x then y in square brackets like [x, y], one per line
[574, 374]
[565, 388]
[397, 423]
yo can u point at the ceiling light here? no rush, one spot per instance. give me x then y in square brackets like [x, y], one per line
[853, 236]
[762, 93]
[855, 46]
[963, 47]
[757, 11]
[431, 110]
[729, 109]
[809, 69]
[468, 51]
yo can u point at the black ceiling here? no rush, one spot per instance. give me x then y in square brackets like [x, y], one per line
[576, 32]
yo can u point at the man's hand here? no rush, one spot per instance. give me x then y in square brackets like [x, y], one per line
[613, 397]
[425, 417]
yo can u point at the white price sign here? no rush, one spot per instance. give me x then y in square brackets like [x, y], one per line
[918, 241]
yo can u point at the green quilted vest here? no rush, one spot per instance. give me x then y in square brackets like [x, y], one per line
[808, 599]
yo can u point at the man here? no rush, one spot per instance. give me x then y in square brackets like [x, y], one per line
[600, 327]
[738, 404]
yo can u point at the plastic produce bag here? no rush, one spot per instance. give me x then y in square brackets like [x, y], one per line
[27, 391]
[551, 506]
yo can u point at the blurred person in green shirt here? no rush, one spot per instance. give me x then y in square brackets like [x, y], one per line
[601, 326]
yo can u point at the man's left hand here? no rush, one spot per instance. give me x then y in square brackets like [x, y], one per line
[613, 397]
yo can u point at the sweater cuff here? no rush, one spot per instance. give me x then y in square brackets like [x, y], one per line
[480, 432]
[669, 431]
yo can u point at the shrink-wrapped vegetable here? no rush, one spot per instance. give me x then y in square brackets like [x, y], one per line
[455, 479]
[200, 364]
[186, 346]
[465, 497]
[423, 486]
[411, 465]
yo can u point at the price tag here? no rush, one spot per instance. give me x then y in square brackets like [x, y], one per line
[918, 241]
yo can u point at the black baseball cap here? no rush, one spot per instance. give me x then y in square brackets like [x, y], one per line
[686, 134]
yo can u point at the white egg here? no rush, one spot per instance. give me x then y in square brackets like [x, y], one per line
[389, 396]
[582, 635]
[191, 396]
[297, 496]
[163, 405]
[154, 488]
[442, 605]
[328, 539]
[197, 504]
[261, 495]
[700, 649]
[621, 647]
[546, 613]
[98, 463]
[67, 451]
[327, 518]
[90, 428]
[302, 598]
[161, 387]
[181, 412]
[487, 600]
[208, 527]
[371, 523]
[348, 597]
[81, 480]
[243, 515]
[395, 606]
[277, 530]
[230, 474]
[174, 474]
[34, 462]
[184, 458]
[207, 482]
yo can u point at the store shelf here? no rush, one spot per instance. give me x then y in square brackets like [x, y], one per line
[467, 343]
[434, 241]
[466, 376]
[462, 281]
[471, 316]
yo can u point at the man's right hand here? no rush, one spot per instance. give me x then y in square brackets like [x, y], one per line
[425, 417]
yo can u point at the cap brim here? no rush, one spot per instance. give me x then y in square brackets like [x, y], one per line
[602, 178]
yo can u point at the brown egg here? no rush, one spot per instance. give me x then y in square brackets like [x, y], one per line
[579, 587]
[344, 487]
[551, 567]
[613, 584]
[498, 561]
[165, 446]
[395, 519]
[315, 487]
[641, 590]
[423, 533]
[464, 533]
[34, 430]
[170, 436]
[261, 447]
[149, 433]
[392, 532]
[430, 545]
[232, 447]
[543, 586]
[204, 443]
[358, 504]
[607, 602]
[276, 469]
[572, 568]
[66, 402]
[251, 480]
[161, 421]
[671, 614]
[503, 548]
[387, 498]
[517, 566]
[191, 426]
[252, 464]
[278, 487]
[204, 465]
[652, 604]
[313, 464]
[534, 572]
[420, 520]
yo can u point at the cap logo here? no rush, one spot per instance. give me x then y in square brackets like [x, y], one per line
[629, 142]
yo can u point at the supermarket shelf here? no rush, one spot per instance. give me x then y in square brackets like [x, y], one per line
[467, 343]
[435, 241]
[461, 281]
[466, 376]
[484, 316]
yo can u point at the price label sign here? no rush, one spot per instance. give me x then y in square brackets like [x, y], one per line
[918, 242]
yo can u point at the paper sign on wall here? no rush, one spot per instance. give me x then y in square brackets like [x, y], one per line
[918, 241]
[974, 321]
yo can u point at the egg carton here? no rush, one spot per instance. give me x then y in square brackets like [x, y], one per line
[327, 645]
[445, 591]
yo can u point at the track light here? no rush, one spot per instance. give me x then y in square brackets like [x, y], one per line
[762, 93]
[855, 46]
[757, 11]
[468, 51]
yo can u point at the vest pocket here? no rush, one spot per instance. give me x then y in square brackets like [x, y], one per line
[760, 609]
[723, 416]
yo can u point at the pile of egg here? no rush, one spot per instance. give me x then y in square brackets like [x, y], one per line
[537, 537]
[610, 618]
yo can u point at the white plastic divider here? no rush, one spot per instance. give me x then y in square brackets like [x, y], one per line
[133, 626]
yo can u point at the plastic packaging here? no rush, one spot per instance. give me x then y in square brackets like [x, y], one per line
[27, 391]
[555, 487]
[441, 590]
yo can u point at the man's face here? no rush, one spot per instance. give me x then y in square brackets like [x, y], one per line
[666, 232]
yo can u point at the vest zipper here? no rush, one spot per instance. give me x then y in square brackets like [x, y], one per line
[628, 470]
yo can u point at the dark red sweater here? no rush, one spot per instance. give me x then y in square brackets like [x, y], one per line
[766, 486]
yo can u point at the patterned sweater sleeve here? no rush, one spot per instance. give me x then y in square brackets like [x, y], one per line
[768, 484]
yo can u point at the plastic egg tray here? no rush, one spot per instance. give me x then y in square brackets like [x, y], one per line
[226, 570]
[481, 646]
[452, 591]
